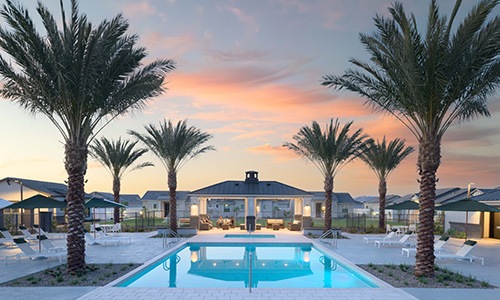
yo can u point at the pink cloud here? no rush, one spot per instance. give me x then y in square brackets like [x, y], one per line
[138, 9]
[248, 20]
[279, 153]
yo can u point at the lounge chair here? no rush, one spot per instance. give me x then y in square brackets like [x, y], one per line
[47, 244]
[403, 241]
[29, 252]
[438, 246]
[389, 236]
[7, 237]
[103, 240]
[462, 253]
[51, 235]
[27, 234]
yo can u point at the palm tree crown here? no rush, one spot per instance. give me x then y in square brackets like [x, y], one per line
[329, 151]
[118, 158]
[80, 77]
[428, 82]
[384, 158]
[174, 146]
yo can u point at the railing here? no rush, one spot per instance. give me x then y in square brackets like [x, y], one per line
[176, 238]
[333, 233]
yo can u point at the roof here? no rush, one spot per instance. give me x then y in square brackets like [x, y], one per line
[133, 200]
[51, 189]
[336, 197]
[254, 188]
[493, 195]
[165, 195]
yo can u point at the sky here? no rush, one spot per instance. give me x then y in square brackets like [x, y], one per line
[248, 73]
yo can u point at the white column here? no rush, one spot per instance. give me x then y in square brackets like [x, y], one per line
[297, 206]
[250, 207]
[307, 210]
[203, 205]
[195, 206]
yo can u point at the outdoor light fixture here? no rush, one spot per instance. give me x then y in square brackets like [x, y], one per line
[323, 208]
[194, 210]
[307, 211]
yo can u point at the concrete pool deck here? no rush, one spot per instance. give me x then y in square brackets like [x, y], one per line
[143, 249]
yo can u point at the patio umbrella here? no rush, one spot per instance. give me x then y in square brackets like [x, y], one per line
[405, 205]
[38, 201]
[101, 203]
[467, 205]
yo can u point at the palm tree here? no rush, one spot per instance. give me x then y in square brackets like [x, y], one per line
[329, 151]
[428, 82]
[117, 157]
[80, 77]
[384, 158]
[174, 146]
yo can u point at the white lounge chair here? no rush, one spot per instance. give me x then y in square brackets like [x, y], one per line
[438, 246]
[462, 253]
[104, 240]
[101, 234]
[29, 252]
[27, 234]
[47, 244]
[390, 236]
[403, 241]
[52, 235]
[7, 237]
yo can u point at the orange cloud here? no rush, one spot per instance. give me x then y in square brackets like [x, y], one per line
[279, 153]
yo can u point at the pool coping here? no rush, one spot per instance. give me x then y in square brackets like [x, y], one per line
[342, 260]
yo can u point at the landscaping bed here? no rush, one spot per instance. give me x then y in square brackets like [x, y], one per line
[94, 275]
[401, 276]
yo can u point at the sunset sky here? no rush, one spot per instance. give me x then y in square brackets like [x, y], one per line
[249, 72]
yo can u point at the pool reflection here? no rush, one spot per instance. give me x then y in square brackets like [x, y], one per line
[264, 268]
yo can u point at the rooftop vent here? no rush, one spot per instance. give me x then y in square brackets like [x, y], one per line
[252, 176]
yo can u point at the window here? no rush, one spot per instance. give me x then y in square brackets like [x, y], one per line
[155, 206]
[226, 208]
[242, 206]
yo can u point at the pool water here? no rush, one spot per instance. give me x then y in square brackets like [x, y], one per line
[227, 266]
[250, 236]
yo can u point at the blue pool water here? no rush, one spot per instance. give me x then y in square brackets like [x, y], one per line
[250, 236]
[226, 266]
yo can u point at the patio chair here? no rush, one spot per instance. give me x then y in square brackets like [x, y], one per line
[462, 253]
[390, 236]
[104, 239]
[438, 246]
[47, 244]
[7, 237]
[27, 251]
[52, 235]
[403, 241]
[27, 234]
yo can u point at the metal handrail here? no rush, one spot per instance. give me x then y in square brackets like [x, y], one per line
[324, 236]
[166, 243]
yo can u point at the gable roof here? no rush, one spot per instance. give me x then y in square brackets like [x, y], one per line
[255, 188]
[492, 195]
[51, 189]
[165, 195]
[132, 199]
[336, 197]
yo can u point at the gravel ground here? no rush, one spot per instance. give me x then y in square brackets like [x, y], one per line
[95, 275]
[401, 276]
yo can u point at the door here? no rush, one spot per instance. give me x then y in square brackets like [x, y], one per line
[318, 209]
[495, 225]
[166, 209]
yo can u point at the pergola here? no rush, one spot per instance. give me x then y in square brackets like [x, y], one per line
[251, 190]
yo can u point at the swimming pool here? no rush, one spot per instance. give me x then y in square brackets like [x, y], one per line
[226, 266]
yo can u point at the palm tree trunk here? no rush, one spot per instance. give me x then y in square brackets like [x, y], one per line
[116, 196]
[172, 186]
[328, 202]
[428, 162]
[76, 167]
[382, 191]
